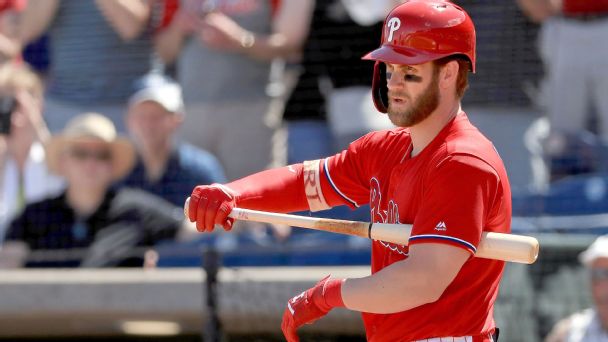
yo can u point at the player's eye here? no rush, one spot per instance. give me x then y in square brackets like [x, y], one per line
[389, 75]
[412, 78]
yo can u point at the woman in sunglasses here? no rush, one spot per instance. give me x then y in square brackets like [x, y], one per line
[91, 224]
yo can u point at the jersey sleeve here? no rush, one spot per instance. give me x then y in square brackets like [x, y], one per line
[461, 192]
[344, 177]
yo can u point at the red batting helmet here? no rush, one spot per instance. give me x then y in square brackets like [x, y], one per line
[419, 31]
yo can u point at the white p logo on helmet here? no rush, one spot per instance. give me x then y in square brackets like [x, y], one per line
[393, 25]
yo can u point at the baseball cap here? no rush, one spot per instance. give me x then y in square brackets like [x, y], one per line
[160, 89]
[598, 249]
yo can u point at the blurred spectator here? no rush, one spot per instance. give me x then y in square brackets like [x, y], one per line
[335, 83]
[9, 16]
[590, 325]
[24, 177]
[576, 83]
[163, 167]
[97, 49]
[224, 51]
[91, 225]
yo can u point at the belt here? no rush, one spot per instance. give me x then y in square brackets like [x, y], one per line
[585, 17]
[489, 338]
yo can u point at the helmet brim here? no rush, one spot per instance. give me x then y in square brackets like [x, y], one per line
[402, 55]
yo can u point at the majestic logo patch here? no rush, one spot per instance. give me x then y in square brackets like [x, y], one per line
[393, 25]
[441, 226]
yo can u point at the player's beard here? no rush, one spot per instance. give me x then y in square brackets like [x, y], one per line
[422, 108]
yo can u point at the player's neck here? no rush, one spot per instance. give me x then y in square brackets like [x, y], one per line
[423, 133]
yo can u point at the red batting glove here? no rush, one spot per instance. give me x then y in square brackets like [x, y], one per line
[311, 305]
[210, 205]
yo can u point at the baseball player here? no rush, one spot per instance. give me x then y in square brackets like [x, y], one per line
[435, 171]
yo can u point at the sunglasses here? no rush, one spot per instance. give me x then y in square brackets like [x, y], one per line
[599, 274]
[83, 153]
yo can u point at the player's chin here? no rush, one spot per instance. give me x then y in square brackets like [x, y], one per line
[398, 116]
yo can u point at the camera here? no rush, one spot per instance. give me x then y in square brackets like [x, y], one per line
[7, 106]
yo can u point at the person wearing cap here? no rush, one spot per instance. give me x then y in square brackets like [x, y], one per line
[590, 325]
[163, 166]
[435, 171]
[90, 224]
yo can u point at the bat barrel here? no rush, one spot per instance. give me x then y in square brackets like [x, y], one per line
[508, 247]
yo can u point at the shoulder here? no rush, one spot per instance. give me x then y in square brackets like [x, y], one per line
[36, 215]
[381, 140]
[127, 202]
[465, 146]
[575, 324]
[560, 331]
[192, 157]
[135, 198]
[45, 205]
[199, 162]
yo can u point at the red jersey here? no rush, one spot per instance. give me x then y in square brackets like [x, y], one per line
[452, 191]
[574, 7]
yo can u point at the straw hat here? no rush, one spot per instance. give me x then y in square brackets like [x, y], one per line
[89, 126]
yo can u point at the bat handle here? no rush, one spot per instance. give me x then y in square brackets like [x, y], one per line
[234, 213]
[186, 206]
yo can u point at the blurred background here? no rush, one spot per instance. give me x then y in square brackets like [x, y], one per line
[112, 111]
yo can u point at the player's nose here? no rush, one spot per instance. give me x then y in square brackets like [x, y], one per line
[395, 80]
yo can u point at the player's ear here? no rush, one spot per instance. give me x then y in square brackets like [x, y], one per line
[448, 74]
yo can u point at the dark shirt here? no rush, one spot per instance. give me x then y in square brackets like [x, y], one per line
[187, 167]
[333, 50]
[125, 220]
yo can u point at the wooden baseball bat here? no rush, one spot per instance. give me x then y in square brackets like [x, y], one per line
[497, 246]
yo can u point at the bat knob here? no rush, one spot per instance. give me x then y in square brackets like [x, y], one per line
[186, 205]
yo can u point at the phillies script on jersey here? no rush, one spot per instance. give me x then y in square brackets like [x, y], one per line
[452, 191]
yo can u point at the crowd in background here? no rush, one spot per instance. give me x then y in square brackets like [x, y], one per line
[112, 111]
[209, 91]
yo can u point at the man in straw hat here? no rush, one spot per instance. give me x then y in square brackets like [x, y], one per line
[590, 325]
[100, 226]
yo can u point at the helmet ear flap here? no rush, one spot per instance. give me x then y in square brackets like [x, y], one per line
[379, 88]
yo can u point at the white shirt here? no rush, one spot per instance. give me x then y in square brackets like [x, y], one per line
[38, 184]
[585, 327]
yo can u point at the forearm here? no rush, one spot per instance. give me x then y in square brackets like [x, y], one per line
[127, 17]
[42, 133]
[420, 279]
[399, 287]
[35, 19]
[290, 29]
[9, 43]
[168, 43]
[538, 10]
[9, 48]
[267, 47]
[276, 190]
